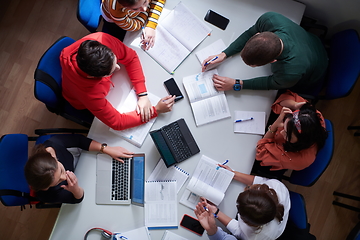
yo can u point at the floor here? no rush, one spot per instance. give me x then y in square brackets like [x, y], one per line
[29, 27]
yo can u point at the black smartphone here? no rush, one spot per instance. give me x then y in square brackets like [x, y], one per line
[216, 19]
[192, 224]
[173, 89]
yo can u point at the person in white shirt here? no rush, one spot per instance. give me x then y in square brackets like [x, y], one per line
[263, 211]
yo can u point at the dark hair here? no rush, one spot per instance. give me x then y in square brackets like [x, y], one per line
[40, 168]
[128, 3]
[94, 58]
[261, 49]
[312, 132]
[258, 206]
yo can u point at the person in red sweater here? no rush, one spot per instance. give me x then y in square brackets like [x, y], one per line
[87, 66]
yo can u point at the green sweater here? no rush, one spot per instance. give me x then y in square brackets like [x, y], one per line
[302, 62]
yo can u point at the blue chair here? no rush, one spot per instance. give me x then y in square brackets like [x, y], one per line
[88, 14]
[297, 227]
[47, 87]
[308, 176]
[14, 189]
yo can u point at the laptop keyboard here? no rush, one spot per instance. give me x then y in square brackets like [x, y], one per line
[173, 133]
[120, 180]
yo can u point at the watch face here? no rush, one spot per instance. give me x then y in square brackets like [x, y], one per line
[237, 87]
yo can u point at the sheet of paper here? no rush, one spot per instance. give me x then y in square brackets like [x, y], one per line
[215, 48]
[255, 126]
[172, 236]
[138, 233]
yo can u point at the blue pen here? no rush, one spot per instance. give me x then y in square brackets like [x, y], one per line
[243, 120]
[208, 62]
[206, 209]
[217, 168]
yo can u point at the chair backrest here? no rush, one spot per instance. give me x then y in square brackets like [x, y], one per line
[344, 64]
[297, 213]
[13, 157]
[354, 233]
[308, 176]
[88, 14]
[47, 88]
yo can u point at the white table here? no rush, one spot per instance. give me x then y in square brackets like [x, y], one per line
[216, 140]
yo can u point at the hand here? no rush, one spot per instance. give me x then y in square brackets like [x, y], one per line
[206, 218]
[165, 104]
[72, 185]
[226, 167]
[149, 40]
[298, 105]
[290, 103]
[223, 83]
[144, 108]
[118, 152]
[279, 122]
[211, 206]
[221, 57]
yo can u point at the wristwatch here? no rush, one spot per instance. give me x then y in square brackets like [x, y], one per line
[104, 145]
[237, 85]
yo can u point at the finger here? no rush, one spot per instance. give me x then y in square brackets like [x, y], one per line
[119, 159]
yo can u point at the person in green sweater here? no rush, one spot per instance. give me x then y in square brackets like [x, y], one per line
[298, 58]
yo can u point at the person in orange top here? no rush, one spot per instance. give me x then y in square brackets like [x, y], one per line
[294, 139]
[133, 15]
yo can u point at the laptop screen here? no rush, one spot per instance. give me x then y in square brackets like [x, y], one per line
[137, 179]
[163, 148]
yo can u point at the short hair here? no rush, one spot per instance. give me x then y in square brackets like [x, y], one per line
[94, 58]
[259, 206]
[128, 3]
[312, 132]
[40, 168]
[261, 49]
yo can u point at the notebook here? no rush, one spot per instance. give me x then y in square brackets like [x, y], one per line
[175, 142]
[128, 187]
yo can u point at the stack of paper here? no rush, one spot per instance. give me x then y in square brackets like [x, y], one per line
[254, 126]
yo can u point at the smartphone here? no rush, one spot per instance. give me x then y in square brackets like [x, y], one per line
[173, 89]
[192, 224]
[216, 19]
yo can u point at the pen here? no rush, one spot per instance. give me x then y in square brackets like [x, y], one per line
[217, 168]
[206, 209]
[178, 97]
[208, 62]
[143, 34]
[243, 120]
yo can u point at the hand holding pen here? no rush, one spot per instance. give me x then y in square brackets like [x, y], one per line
[221, 165]
[147, 37]
[212, 60]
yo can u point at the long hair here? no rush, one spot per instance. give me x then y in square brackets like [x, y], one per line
[94, 58]
[260, 205]
[261, 49]
[40, 168]
[310, 130]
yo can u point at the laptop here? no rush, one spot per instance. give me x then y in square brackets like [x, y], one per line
[175, 142]
[120, 183]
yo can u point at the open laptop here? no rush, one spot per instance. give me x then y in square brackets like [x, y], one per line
[175, 142]
[120, 183]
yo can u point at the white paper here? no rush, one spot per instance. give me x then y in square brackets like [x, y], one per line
[172, 236]
[215, 48]
[135, 234]
[255, 126]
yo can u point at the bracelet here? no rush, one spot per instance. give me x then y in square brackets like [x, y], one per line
[216, 213]
[142, 94]
[104, 145]
[269, 129]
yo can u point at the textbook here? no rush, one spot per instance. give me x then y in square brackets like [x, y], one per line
[177, 35]
[207, 103]
[160, 205]
[135, 135]
[254, 126]
[207, 181]
[161, 172]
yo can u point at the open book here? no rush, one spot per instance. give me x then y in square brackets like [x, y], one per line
[176, 37]
[207, 181]
[160, 204]
[161, 172]
[208, 104]
[135, 135]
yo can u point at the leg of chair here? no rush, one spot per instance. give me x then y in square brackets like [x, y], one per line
[353, 127]
[346, 206]
[346, 196]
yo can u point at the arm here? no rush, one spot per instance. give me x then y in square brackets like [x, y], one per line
[247, 179]
[114, 152]
[154, 12]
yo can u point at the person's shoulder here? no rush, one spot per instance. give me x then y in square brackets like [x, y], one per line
[272, 15]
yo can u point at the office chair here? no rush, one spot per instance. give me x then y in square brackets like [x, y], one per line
[308, 176]
[297, 227]
[354, 233]
[47, 87]
[14, 189]
[88, 14]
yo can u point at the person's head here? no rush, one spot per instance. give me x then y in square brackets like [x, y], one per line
[261, 49]
[96, 59]
[258, 205]
[302, 129]
[135, 5]
[42, 170]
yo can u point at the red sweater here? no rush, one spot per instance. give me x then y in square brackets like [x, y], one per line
[89, 93]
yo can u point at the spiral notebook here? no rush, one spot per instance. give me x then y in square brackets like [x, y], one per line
[161, 172]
